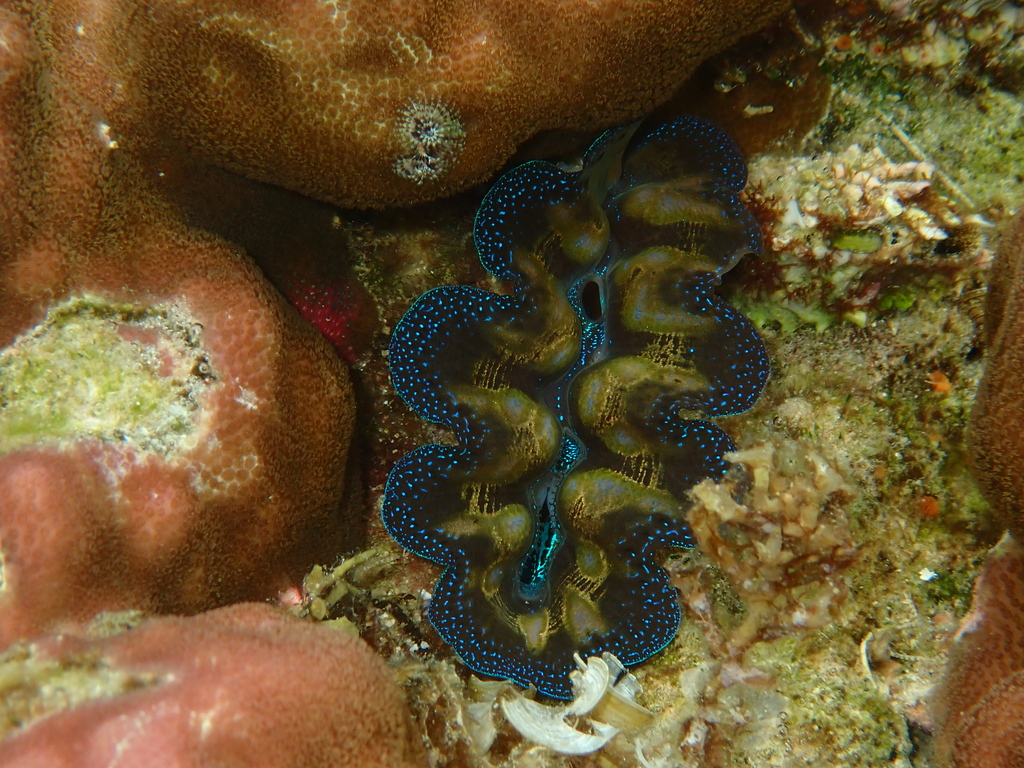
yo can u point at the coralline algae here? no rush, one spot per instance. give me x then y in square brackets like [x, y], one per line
[575, 400]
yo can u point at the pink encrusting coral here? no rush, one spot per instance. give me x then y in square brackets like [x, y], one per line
[979, 706]
[246, 685]
[184, 446]
[997, 451]
[173, 436]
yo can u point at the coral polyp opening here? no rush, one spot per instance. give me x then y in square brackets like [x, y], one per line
[579, 401]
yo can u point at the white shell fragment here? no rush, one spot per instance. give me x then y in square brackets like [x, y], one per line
[479, 711]
[600, 709]
[547, 726]
[589, 684]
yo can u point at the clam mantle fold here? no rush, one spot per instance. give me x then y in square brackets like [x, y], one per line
[576, 401]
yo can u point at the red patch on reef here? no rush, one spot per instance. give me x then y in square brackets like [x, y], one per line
[928, 507]
[341, 310]
[940, 383]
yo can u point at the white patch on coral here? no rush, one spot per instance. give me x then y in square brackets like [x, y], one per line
[247, 398]
[972, 621]
[103, 133]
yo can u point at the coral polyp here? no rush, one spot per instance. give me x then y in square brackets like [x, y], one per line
[432, 137]
[579, 401]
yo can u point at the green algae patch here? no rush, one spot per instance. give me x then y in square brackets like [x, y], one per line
[952, 588]
[788, 316]
[831, 713]
[898, 299]
[861, 241]
[34, 685]
[121, 373]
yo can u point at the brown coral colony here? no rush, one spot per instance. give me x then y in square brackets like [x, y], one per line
[371, 105]
[995, 440]
[978, 705]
